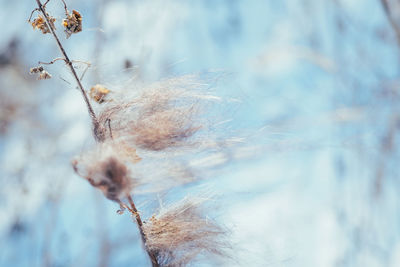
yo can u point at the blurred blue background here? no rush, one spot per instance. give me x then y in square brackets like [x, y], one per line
[316, 94]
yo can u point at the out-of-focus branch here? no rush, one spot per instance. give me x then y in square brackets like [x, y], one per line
[388, 13]
[387, 148]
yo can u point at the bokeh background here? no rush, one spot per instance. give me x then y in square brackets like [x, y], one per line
[316, 88]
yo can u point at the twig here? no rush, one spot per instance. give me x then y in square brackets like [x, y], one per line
[65, 7]
[51, 62]
[396, 28]
[73, 61]
[44, 5]
[88, 65]
[33, 11]
[135, 212]
[387, 148]
[109, 127]
[84, 72]
[97, 130]
[60, 58]
[65, 80]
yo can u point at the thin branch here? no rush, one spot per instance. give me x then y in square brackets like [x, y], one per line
[387, 148]
[88, 65]
[395, 26]
[97, 130]
[33, 11]
[109, 127]
[84, 72]
[52, 62]
[73, 61]
[65, 80]
[65, 7]
[44, 5]
[60, 58]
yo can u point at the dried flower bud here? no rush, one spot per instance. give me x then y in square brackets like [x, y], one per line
[37, 69]
[98, 93]
[43, 74]
[40, 23]
[179, 234]
[73, 23]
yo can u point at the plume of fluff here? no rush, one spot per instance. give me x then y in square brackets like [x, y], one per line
[106, 168]
[180, 234]
[159, 175]
[148, 175]
[167, 125]
[158, 117]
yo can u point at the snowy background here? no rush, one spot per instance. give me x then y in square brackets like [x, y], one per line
[317, 95]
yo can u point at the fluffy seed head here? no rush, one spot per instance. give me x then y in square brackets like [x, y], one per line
[181, 234]
[161, 116]
[105, 169]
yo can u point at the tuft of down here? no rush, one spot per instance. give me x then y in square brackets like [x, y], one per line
[181, 234]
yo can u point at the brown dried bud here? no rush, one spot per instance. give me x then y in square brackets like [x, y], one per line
[43, 74]
[98, 93]
[37, 69]
[40, 23]
[73, 23]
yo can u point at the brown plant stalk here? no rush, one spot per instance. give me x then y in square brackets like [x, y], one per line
[134, 211]
[97, 128]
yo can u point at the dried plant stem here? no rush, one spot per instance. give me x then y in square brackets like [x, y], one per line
[392, 21]
[135, 212]
[98, 131]
[98, 134]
